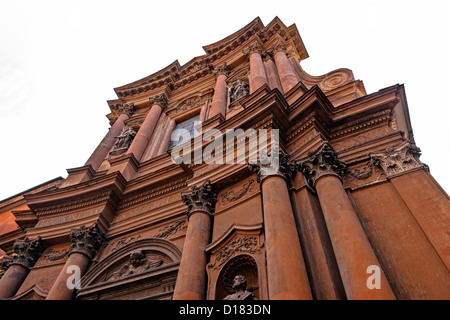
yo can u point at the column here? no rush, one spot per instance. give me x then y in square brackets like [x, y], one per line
[219, 101]
[354, 254]
[108, 141]
[27, 253]
[166, 138]
[286, 72]
[286, 271]
[85, 243]
[258, 75]
[137, 147]
[191, 279]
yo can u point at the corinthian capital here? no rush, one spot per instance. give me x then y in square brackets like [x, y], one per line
[277, 47]
[128, 109]
[27, 252]
[161, 100]
[398, 159]
[277, 165]
[222, 70]
[202, 198]
[254, 47]
[87, 240]
[321, 162]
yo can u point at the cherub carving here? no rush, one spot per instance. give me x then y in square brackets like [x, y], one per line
[138, 263]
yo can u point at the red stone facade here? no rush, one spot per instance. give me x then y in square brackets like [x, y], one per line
[350, 212]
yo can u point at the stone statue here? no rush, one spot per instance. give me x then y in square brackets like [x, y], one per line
[138, 263]
[125, 139]
[238, 90]
[241, 292]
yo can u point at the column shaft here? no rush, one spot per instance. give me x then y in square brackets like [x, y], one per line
[60, 289]
[12, 280]
[191, 279]
[286, 271]
[145, 132]
[219, 101]
[258, 76]
[166, 138]
[100, 153]
[286, 72]
[353, 251]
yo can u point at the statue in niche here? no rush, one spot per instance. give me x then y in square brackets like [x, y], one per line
[241, 292]
[138, 263]
[238, 89]
[125, 139]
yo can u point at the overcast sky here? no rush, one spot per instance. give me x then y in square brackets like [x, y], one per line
[60, 60]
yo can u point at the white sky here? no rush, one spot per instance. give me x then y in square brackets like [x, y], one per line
[60, 60]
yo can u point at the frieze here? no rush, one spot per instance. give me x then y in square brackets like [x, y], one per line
[123, 241]
[52, 255]
[361, 139]
[148, 207]
[68, 218]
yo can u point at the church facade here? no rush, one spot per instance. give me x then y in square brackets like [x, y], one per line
[238, 176]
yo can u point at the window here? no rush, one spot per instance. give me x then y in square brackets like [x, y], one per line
[187, 125]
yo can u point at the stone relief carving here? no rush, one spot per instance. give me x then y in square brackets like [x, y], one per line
[125, 139]
[238, 89]
[138, 263]
[171, 229]
[241, 292]
[238, 244]
[124, 241]
[55, 255]
[398, 159]
[232, 196]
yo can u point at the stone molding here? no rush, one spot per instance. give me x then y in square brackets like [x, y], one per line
[27, 252]
[87, 240]
[321, 162]
[202, 198]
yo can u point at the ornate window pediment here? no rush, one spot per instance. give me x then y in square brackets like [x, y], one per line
[134, 272]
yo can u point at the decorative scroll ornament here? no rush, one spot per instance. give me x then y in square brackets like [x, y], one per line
[202, 198]
[277, 47]
[87, 240]
[27, 252]
[321, 162]
[161, 100]
[285, 168]
[398, 159]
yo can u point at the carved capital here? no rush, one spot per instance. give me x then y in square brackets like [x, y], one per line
[321, 162]
[27, 252]
[398, 159]
[87, 240]
[278, 165]
[277, 47]
[161, 100]
[5, 262]
[222, 70]
[127, 109]
[253, 48]
[202, 198]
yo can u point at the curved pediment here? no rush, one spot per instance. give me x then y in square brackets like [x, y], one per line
[139, 258]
